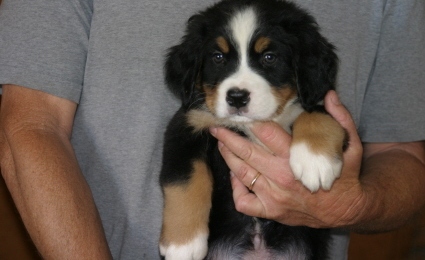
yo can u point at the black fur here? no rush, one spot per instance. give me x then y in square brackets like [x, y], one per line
[307, 63]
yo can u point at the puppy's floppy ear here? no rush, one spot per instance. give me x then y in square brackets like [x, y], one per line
[316, 67]
[314, 60]
[184, 61]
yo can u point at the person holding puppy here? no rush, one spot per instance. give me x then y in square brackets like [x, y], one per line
[84, 108]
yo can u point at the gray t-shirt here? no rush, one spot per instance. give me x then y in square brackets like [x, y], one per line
[108, 56]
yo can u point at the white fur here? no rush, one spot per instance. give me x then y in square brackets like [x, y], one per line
[242, 27]
[312, 169]
[263, 103]
[291, 111]
[196, 249]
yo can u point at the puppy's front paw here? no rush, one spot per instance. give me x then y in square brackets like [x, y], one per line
[314, 170]
[196, 249]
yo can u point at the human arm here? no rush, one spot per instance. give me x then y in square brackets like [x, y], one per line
[370, 198]
[395, 172]
[41, 171]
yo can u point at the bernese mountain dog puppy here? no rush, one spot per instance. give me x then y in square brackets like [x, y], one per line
[242, 61]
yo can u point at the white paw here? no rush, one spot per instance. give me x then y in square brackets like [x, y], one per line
[196, 249]
[314, 170]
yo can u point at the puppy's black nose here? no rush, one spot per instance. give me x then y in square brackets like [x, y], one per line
[237, 97]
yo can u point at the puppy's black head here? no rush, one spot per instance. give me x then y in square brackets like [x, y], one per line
[244, 60]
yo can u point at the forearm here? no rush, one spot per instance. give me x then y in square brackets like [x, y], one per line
[52, 196]
[394, 184]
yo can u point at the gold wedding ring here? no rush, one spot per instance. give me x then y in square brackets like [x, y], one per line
[253, 181]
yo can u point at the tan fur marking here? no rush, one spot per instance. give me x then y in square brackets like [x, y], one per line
[321, 132]
[283, 95]
[187, 207]
[210, 97]
[261, 44]
[223, 44]
[200, 120]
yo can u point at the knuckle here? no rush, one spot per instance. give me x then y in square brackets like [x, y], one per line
[242, 172]
[268, 134]
[246, 152]
[240, 205]
[285, 180]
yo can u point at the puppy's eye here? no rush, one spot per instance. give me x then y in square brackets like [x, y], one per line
[269, 58]
[218, 57]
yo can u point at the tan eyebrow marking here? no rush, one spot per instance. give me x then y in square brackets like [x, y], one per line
[223, 44]
[261, 44]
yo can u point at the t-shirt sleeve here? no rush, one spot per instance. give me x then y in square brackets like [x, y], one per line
[43, 45]
[394, 104]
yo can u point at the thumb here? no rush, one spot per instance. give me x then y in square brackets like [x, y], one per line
[340, 113]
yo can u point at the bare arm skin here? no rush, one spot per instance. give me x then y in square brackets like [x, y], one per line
[394, 173]
[381, 185]
[40, 169]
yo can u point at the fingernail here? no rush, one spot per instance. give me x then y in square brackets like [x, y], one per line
[232, 174]
[220, 144]
[335, 100]
[213, 131]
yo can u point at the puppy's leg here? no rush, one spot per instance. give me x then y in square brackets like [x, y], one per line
[316, 150]
[186, 213]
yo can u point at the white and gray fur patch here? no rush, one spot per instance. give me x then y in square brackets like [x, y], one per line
[234, 251]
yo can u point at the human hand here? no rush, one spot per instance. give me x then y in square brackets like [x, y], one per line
[277, 195]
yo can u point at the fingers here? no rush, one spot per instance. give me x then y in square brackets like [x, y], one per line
[246, 158]
[234, 149]
[245, 201]
[239, 153]
[242, 176]
[343, 117]
[244, 172]
[273, 136]
[251, 185]
[341, 114]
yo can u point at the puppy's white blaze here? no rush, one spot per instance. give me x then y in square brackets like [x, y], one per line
[196, 249]
[312, 169]
[242, 27]
[262, 104]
